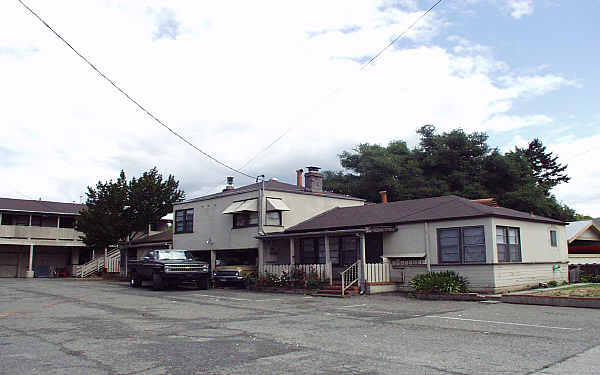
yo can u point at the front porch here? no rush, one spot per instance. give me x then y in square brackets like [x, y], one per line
[342, 259]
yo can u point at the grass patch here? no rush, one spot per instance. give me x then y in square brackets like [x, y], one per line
[574, 291]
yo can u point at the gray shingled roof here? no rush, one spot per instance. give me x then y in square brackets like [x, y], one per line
[411, 211]
[273, 185]
[25, 205]
[164, 236]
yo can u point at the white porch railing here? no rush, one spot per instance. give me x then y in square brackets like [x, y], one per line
[377, 272]
[321, 269]
[350, 276]
[111, 263]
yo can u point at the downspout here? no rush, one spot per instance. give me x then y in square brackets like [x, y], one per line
[427, 247]
[261, 248]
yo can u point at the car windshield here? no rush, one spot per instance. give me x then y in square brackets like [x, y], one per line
[174, 255]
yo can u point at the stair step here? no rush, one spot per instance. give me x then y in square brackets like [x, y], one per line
[328, 295]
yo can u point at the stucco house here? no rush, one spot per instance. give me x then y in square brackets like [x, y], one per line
[228, 222]
[35, 233]
[380, 246]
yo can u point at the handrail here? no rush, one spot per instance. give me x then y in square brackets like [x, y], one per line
[351, 275]
[96, 264]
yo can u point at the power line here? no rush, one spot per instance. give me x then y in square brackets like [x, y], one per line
[362, 67]
[131, 99]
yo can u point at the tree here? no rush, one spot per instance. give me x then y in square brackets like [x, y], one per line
[119, 210]
[546, 168]
[457, 163]
[102, 221]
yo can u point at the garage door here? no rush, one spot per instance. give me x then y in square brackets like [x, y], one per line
[9, 264]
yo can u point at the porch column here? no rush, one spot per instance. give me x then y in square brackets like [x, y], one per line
[328, 260]
[292, 252]
[363, 286]
[29, 272]
[213, 261]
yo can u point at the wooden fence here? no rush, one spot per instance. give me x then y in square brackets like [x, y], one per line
[377, 272]
[278, 269]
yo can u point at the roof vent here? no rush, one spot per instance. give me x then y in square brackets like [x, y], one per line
[487, 201]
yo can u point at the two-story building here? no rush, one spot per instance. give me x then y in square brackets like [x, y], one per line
[227, 223]
[39, 233]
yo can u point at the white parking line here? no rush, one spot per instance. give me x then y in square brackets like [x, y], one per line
[223, 297]
[506, 323]
[351, 306]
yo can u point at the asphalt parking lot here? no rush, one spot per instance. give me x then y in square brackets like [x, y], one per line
[98, 327]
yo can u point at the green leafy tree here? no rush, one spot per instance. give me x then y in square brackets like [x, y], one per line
[121, 210]
[102, 220]
[546, 168]
[457, 163]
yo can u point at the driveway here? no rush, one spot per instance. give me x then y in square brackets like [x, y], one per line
[98, 327]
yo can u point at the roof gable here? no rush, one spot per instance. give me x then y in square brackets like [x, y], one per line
[584, 230]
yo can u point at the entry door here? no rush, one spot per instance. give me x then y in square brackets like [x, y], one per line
[9, 264]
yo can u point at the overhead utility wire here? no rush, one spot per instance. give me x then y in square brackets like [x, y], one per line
[131, 99]
[371, 60]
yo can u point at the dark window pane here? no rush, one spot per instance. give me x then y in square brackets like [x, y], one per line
[322, 256]
[449, 241]
[36, 221]
[553, 241]
[66, 222]
[184, 221]
[503, 253]
[515, 253]
[22, 220]
[334, 250]
[273, 218]
[308, 251]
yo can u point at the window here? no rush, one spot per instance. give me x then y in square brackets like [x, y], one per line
[245, 219]
[273, 218]
[66, 222]
[313, 251]
[36, 221]
[553, 241]
[461, 245]
[184, 221]
[15, 219]
[508, 241]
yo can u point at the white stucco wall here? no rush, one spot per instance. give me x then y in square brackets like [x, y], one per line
[211, 223]
[535, 240]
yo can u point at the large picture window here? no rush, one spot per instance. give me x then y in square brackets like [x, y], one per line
[461, 245]
[508, 242]
[184, 221]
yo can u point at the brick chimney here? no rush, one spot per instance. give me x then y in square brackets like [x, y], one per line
[313, 180]
[383, 194]
[299, 177]
[229, 184]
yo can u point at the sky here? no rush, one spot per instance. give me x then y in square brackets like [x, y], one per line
[232, 77]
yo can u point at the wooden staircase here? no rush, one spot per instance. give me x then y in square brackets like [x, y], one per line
[346, 286]
[335, 290]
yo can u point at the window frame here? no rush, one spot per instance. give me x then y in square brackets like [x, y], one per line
[506, 237]
[247, 215]
[280, 222]
[461, 245]
[187, 225]
[553, 238]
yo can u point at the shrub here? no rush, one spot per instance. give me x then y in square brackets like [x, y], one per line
[440, 282]
[552, 283]
[314, 280]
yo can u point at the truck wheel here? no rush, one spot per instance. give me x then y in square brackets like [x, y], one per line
[157, 282]
[202, 284]
[134, 281]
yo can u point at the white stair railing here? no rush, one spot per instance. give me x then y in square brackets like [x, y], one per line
[350, 276]
[111, 263]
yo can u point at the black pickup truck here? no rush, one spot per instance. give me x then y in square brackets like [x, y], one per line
[168, 268]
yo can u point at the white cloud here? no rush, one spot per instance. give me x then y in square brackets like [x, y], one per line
[520, 8]
[231, 82]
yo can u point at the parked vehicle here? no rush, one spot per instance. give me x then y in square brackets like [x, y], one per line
[168, 268]
[233, 271]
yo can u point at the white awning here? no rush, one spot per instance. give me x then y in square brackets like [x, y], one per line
[242, 206]
[274, 204]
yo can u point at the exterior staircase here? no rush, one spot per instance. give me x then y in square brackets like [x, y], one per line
[346, 286]
[335, 290]
[110, 262]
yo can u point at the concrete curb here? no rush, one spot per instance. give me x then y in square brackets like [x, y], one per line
[531, 299]
[473, 297]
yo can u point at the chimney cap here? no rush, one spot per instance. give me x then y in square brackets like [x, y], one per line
[229, 180]
[313, 169]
